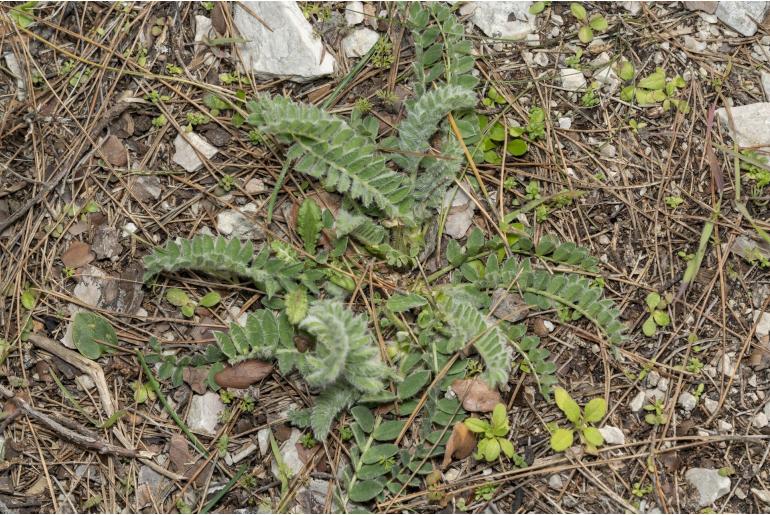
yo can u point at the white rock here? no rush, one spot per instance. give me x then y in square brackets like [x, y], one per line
[129, 229]
[762, 495]
[461, 210]
[613, 435]
[548, 326]
[608, 77]
[663, 384]
[565, 123]
[263, 440]
[185, 153]
[15, 68]
[540, 59]
[687, 401]
[638, 401]
[354, 13]
[508, 20]
[85, 382]
[766, 411]
[725, 365]
[653, 378]
[89, 288]
[740, 16]
[763, 327]
[709, 483]
[290, 455]
[711, 405]
[608, 150]
[633, 7]
[760, 420]
[451, 475]
[204, 412]
[724, 427]
[694, 45]
[555, 482]
[765, 77]
[312, 498]
[203, 28]
[255, 186]
[359, 42]
[237, 224]
[281, 42]
[572, 80]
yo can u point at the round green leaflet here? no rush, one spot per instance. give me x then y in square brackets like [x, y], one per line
[89, 330]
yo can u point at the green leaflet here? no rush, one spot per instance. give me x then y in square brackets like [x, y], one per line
[327, 406]
[468, 325]
[423, 118]
[327, 148]
[344, 349]
[309, 224]
[220, 257]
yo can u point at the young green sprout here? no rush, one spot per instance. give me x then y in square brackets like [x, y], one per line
[493, 433]
[561, 439]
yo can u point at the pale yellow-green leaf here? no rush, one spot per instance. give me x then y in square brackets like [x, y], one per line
[595, 410]
[593, 436]
[561, 439]
[565, 403]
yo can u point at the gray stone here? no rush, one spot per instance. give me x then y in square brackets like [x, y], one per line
[724, 426]
[237, 224]
[687, 401]
[354, 13]
[653, 378]
[742, 16]
[185, 153]
[752, 124]
[255, 186]
[15, 68]
[204, 412]
[280, 42]
[312, 498]
[759, 420]
[709, 483]
[711, 405]
[359, 42]
[637, 402]
[633, 7]
[613, 435]
[263, 440]
[555, 482]
[245, 451]
[565, 122]
[508, 306]
[763, 326]
[508, 20]
[540, 59]
[766, 411]
[608, 77]
[460, 217]
[694, 45]
[572, 80]
[765, 78]
[290, 456]
[106, 243]
[707, 7]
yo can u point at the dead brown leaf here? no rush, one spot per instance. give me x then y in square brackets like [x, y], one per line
[476, 395]
[77, 255]
[179, 453]
[196, 378]
[460, 444]
[114, 151]
[244, 374]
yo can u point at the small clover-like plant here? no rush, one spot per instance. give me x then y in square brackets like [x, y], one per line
[656, 305]
[494, 432]
[596, 22]
[561, 439]
[655, 415]
[177, 297]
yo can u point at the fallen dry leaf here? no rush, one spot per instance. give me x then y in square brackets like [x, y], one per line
[460, 444]
[77, 255]
[179, 453]
[244, 374]
[196, 378]
[114, 151]
[476, 395]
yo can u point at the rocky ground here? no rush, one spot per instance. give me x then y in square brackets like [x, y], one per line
[114, 140]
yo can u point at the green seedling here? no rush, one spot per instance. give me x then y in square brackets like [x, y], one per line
[494, 434]
[694, 366]
[177, 297]
[654, 89]
[538, 7]
[596, 22]
[655, 415]
[142, 392]
[159, 121]
[635, 125]
[382, 54]
[594, 411]
[485, 493]
[674, 201]
[658, 315]
[589, 98]
[307, 441]
[222, 444]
